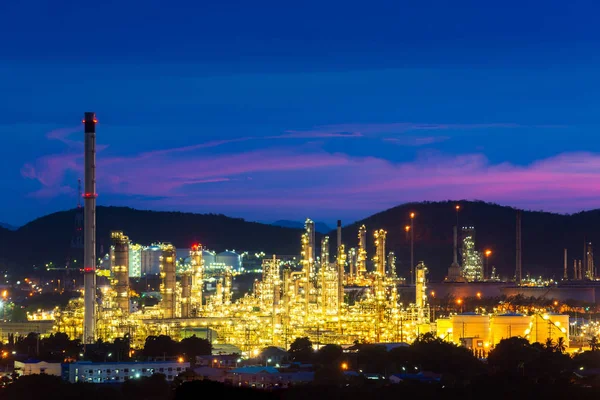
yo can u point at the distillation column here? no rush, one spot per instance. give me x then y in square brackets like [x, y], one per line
[361, 257]
[379, 259]
[197, 276]
[339, 234]
[186, 294]
[120, 269]
[167, 285]
[391, 265]
[308, 260]
[421, 290]
[89, 258]
[341, 264]
[352, 259]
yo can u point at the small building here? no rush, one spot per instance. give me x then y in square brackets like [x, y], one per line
[422, 377]
[267, 377]
[218, 361]
[35, 367]
[115, 372]
[211, 373]
[255, 376]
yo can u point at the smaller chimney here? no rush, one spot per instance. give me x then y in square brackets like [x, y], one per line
[455, 245]
[565, 275]
[339, 233]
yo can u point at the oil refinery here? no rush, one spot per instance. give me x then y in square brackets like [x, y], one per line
[342, 299]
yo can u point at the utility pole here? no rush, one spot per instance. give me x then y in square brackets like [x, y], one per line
[412, 248]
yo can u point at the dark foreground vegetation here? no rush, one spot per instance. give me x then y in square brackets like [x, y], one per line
[514, 369]
[156, 388]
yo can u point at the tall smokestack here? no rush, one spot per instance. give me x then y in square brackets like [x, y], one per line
[518, 261]
[339, 233]
[565, 275]
[89, 248]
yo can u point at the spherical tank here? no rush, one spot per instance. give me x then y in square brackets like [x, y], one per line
[230, 259]
[510, 325]
[470, 325]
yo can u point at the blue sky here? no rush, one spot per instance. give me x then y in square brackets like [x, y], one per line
[270, 110]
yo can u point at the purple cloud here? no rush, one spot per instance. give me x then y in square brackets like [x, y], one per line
[305, 179]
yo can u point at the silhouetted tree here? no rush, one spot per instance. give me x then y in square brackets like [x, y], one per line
[194, 346]
[330, 355]
[301, 350]
[160, 346]
[594, 343]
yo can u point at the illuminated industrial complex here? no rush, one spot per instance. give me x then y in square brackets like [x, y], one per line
[341, 299]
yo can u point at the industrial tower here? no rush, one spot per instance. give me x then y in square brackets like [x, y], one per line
[89, 256]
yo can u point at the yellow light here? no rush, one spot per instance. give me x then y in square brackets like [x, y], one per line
[459, 301]
[412, 215]
[457, 207]
[478, 295]
[344, 366]
[180, 359]
[407, 228]
[488, 253]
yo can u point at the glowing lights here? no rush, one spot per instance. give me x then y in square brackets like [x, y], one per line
[344, 366]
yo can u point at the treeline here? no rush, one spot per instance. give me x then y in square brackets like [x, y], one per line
[58, 347]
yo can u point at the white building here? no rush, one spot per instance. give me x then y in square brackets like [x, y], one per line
[150, 260]
[107, 372]
[37, 368]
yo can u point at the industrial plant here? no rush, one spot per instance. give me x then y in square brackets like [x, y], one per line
[341, 296]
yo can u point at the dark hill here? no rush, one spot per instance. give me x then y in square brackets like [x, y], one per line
[49, 238]
[8, 226]
[544, 235]
[319, 226]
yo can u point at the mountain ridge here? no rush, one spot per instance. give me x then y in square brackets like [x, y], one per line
[285, 223]
[544, 235]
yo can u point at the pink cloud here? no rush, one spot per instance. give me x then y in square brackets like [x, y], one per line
[301, 179]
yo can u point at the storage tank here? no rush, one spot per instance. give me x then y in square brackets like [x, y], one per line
[470, 325]
[444, 328]
[150, 260]
[511, 325]
[553, 326]
[209, 258]
[230, 259]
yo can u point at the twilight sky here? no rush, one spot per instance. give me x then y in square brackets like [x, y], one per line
[281, 110]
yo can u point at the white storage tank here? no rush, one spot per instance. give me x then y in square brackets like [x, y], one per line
[230, 259]
[209, 258]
